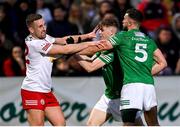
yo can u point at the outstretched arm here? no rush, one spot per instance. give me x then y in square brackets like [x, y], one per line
[91, 50]
[76, 38]
[69, 49]
[160, 62]
[103, 45]
[91, 66]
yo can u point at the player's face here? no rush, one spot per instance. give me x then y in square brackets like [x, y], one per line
[39, 29]
[106, 32]
[125, 22]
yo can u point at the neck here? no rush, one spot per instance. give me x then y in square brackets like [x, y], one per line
[133, 27]
[34, 36]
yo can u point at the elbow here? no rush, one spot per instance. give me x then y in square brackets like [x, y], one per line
[165, 64]
[90, 69]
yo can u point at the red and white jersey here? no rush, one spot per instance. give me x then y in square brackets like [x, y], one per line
[38, 64]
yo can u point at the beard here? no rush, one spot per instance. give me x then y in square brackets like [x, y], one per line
[42, 35]
[125, 28]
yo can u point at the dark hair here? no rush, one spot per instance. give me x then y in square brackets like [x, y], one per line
[31, 18]
[105, 1]
[135, 14]
[110, 22]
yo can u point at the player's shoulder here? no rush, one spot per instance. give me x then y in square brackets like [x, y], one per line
[31, 41]
[29, 38]
[49, 36]
[139, 34]
[120, 33]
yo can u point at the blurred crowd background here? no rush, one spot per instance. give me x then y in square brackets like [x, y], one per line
[72, 17]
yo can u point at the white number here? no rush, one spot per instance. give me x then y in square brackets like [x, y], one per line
[140, 49]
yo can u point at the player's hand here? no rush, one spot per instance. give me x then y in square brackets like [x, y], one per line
[107, 34]
[98, 27]
[103, 45]
[93, 33]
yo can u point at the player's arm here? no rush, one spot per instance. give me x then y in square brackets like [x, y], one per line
[70, 48]
[84, 57]
[75, 38]
[91, 66]
[91, 50]
[103, 45]
[160, 62]
[177, 70]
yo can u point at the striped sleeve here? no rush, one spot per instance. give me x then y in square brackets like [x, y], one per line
[107, 58]
[116, 39]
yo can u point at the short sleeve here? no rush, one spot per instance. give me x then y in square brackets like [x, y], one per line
[116, 39]
[106, 57]
[50, 39]
[98, 54]
[154, 46]
[42, 46]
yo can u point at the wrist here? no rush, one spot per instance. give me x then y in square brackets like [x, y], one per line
[88, 36]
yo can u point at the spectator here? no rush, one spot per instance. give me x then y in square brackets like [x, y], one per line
[109, 15]
[11, 12]
[120, 7]
[104, 7]
[5, 49]
[5, 23]
[76, 17]
[176, 30]
[44, 11]
[15, 64]
[89, 11]
[168, 45]
[176, 7]
[155, 15]
[65, 3]
[176, 25]
[22, 11]
[59, 26]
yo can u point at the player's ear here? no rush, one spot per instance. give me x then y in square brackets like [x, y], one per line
[129, 23]
[31, 30]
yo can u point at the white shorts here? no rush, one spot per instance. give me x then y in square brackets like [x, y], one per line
[110, 106]
[139, 96]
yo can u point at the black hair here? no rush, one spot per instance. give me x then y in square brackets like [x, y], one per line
[135, 14]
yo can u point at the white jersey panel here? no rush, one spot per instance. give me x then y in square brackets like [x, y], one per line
[38, 64]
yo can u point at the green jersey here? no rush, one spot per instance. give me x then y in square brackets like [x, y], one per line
[111, 73]
[135, 54]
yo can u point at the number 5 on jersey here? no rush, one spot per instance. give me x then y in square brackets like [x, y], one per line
[140, 48]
